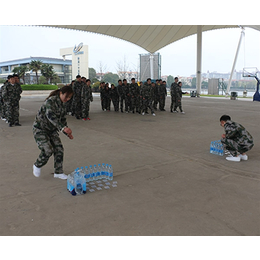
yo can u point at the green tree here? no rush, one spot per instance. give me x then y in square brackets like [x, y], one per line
[42, 80]
[47, 71]
[95, 86]
[35, 66]
[20, 71]
[193, 82]
[55, 79]
[92, 73]
[111, 78]
[204, 84]
[170, 80]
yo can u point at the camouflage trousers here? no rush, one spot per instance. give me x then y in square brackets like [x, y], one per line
[161, 102]
[115, 102]
[147, 104]
[12, 112]
[235, 148]
[155, 101]
[121, 102]
[49, 143]
[127, 103]
[76, 107]
[85, 109]
[173, 101]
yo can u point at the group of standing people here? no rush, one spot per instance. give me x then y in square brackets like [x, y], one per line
[133, 97]
[79, 105]
[10, 95]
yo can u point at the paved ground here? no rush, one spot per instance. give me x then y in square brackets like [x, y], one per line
[168, 182]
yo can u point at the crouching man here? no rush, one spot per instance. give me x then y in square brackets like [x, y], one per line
[236, 140]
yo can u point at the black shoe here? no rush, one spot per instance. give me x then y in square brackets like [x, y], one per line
[77, 117]
[163, 109]
[17, 124]
[171, 111]
[10, 125]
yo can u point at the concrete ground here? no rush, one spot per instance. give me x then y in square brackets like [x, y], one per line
[168, 182]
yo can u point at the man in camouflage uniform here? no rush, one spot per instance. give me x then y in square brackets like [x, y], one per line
[102, 95]
[236, 140]
[76, 101]
[49, 121]
[2, 104]
[11, 94]
[114, 97]
[162, 93]
[121, 94]
[86, 97]
[68, 104]
[138, 101]
[147, 95]
[178, 97]
[173, 93]
[127, 96]
[133, 87]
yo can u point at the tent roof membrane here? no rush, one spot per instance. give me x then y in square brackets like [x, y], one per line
[149, 37]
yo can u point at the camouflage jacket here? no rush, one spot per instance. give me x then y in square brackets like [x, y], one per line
[121, 91]
[162, 90]
[11, 93]
[133, 89]
[147, 91]
[237, 133]
[86, 93]
[51, 115]
[126, 89]
[178, 92]
[173, 88]
[77, 89]
[114, 94]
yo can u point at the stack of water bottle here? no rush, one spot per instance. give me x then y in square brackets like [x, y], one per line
[216, 147]
[76, 182]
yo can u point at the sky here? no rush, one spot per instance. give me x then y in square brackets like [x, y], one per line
[178, 58]
[18, 40]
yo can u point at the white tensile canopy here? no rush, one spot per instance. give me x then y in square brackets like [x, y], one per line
[154, 37]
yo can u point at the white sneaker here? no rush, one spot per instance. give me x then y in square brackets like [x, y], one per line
[61, 176]
[183, 112]
[153, 114]
[243, 157]
[36, 171]
[143, 113]
[233, 158]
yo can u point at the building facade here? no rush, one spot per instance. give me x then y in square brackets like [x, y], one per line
[61, 67]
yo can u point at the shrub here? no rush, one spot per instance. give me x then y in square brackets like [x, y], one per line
[39, 87]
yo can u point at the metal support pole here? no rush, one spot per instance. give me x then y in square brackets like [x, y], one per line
[151, 65]
[235, 61]
[199, 56]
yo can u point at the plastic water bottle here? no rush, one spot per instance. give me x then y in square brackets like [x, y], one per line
[91, 174]
[87, 175]
[221, 150]
[110, 173]
[80, 183]
[70, 184]
[99, 171]
[211, 147]
[106, 171]
[103, 171]
[95, 172]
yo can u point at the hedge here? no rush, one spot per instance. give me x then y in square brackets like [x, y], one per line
[39, 87]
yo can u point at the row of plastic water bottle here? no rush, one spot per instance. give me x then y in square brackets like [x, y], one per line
[97, 172]
[216, 147]
[76, 182]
